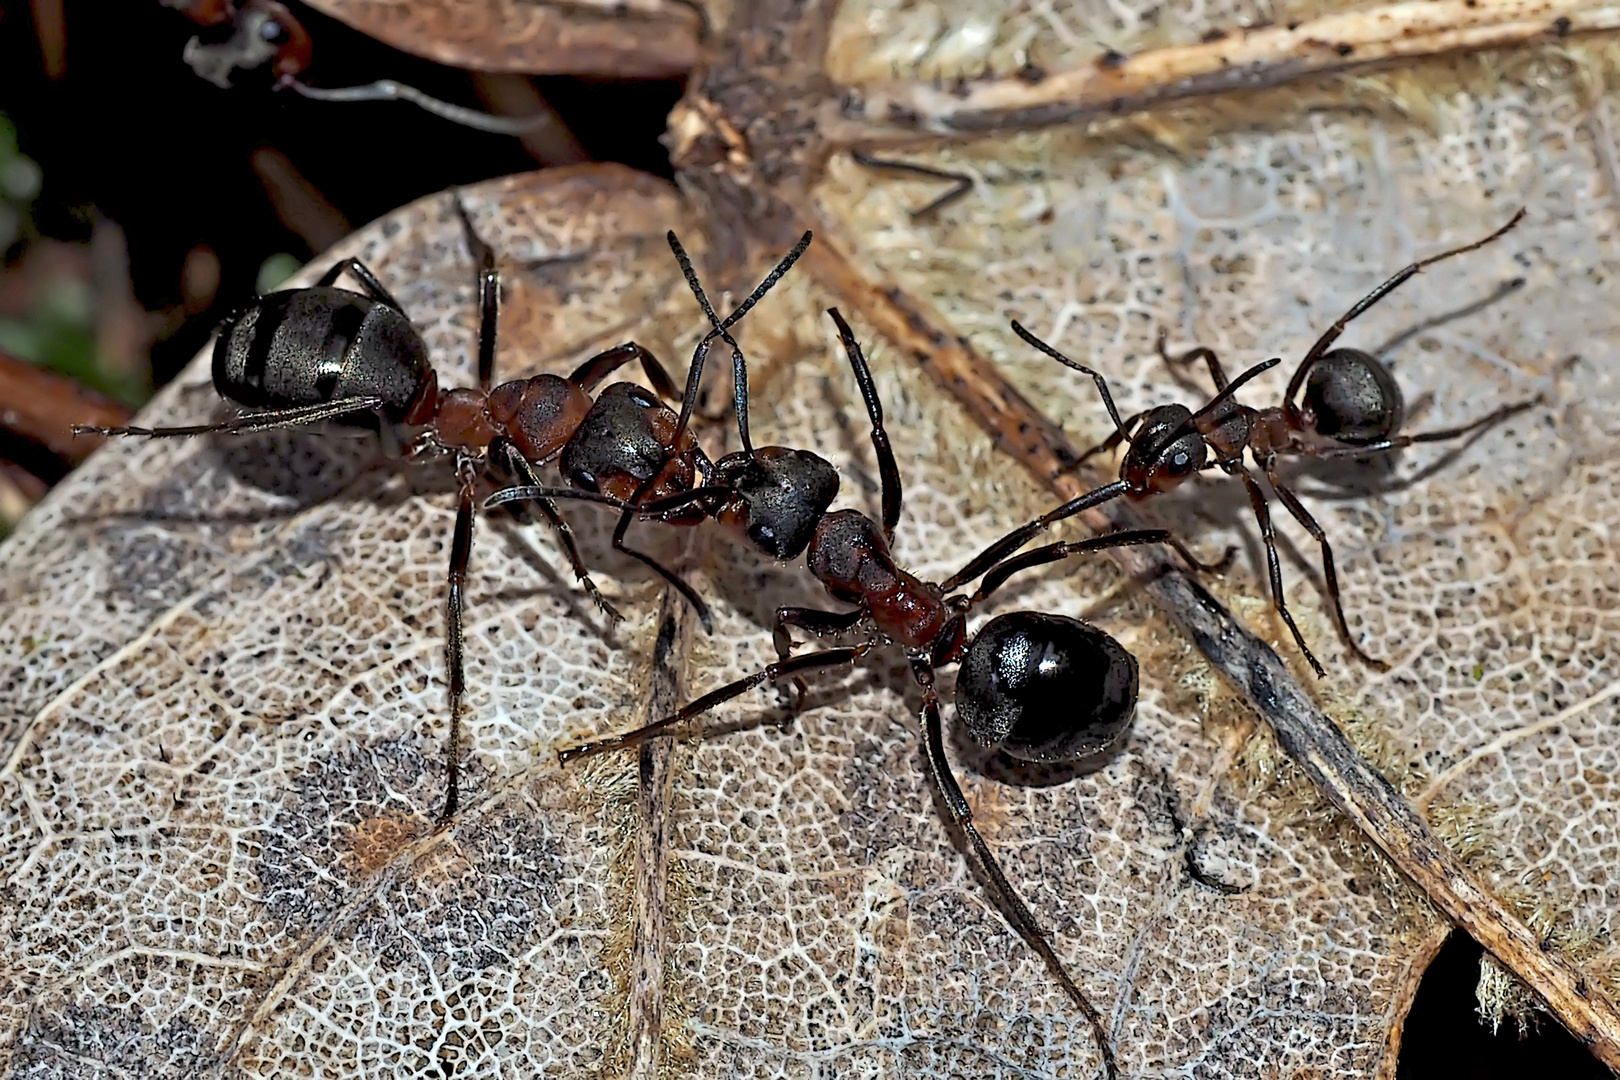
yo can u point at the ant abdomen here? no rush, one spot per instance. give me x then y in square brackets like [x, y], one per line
[778, 497]
[1151, 465]
[1046, 688]
[308, 346]
[1352, 397]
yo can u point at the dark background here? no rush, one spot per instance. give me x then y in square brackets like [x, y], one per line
[162, 197]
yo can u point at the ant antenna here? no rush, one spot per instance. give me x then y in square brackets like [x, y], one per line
[739, 365]
[1102, 383]
[389, 90]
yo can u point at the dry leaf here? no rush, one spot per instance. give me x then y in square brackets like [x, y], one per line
[648, 39]
[228, 704]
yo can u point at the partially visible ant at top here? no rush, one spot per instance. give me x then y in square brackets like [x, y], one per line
[1039, 687]
[248, 35]
[1351, 408]
[302, 356]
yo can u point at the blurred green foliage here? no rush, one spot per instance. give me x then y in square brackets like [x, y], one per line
[275, 270]
[19, 183]
[58, 331]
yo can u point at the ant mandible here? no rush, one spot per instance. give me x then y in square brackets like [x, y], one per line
[303, 356]
[1351, 408]
[1040, 687]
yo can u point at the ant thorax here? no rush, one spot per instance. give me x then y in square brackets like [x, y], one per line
[849, 556]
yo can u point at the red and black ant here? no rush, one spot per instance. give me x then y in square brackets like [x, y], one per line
[302, 356]
[1039, 687]
[1351, 408]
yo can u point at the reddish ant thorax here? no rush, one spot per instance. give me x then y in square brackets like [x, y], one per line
[849, 556]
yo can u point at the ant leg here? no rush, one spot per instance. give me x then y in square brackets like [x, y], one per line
[1023, 921]
[773, 673]
[1022, 535]
[1330, 575]
[1376, 295]
[691, 596]
[1121, 434]
[739, 365]
[363, 273]
[814, 621]
[961, 184]
[249, 421]
[460, 551]
[589, 374]
[1217, 373]
[1432, 436]
[811, 620]
[1262, 517]
[998, 575]
[514, 463]
[489, 293]
[887, 469]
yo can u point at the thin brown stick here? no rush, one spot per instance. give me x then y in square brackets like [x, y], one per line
[1242, 59]
[42, 407]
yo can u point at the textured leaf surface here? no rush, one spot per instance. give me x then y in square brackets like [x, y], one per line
[225, 678]
[634, 39]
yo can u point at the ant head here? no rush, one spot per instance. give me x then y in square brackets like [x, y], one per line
[1351, 397]
[1046, 688]
[778, 497]
[1166, 450]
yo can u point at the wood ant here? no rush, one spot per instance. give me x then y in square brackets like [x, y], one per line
[1039, 687]
[307, 355]
[1351, 408]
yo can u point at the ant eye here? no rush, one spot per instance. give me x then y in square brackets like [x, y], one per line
[583, 480]
[274, 32]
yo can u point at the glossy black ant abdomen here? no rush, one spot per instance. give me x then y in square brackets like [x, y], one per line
[777, 497]
[304, 347]
[1046, 688]
[1350, 397]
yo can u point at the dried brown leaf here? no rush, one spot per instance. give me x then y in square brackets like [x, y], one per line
[228, 706]
[636, 39]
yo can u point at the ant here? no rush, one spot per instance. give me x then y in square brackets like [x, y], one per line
[1351, 408]
[1039, 687]
[307, 355]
